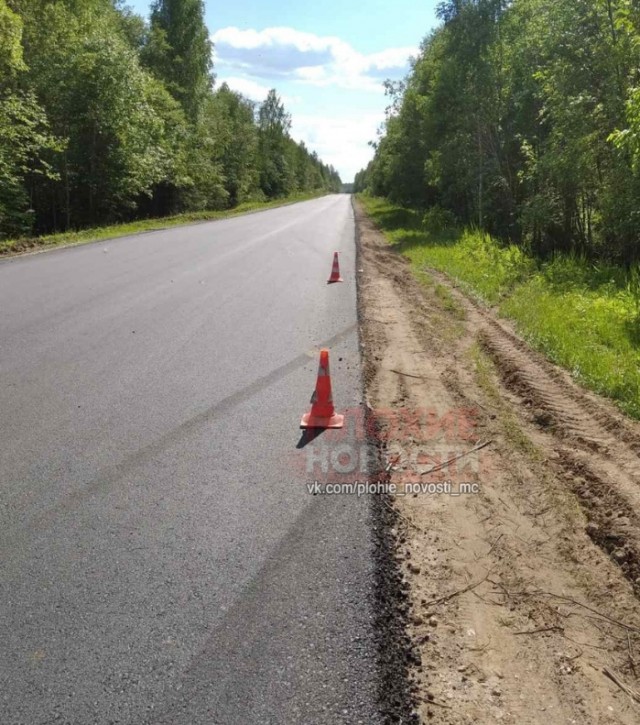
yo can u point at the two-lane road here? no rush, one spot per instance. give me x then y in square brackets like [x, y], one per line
[160, 558]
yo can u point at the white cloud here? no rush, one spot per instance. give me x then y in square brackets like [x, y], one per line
[255, 91]
[252, 61]
[251, 89]
[339, 141]
[307, 58]
[251, 39]
[311, 73]
[390, 58]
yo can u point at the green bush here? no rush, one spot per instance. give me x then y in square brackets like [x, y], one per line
[437, 220]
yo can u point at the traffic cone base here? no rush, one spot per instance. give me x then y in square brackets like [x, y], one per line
[314, 421]
[335, 271]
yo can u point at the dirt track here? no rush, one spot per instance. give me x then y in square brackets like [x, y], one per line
[523, 595]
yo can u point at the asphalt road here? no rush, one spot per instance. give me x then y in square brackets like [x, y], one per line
[161, 560]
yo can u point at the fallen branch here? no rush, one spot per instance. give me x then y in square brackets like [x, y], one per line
[448, 597]
[494, 544]
[409, 375]
[554, 628]
[631, 660]
[439, 704]
[479, 447]
[625, 688]
[563, 597]
[490, 602]
[617, 622]
[586, 644]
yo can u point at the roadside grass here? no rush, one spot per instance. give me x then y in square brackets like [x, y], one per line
[113, 231]
[451, 314]
[448, 302]
[485, 375]
[583, 317]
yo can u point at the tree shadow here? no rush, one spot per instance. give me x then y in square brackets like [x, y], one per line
[632, 330]
[397, 218]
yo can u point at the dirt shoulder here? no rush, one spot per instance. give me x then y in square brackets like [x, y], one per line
[524, 571]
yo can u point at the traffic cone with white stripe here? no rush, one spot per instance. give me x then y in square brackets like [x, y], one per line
[335, 271]
[322, 413]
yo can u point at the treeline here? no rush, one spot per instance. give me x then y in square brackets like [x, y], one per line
[105, 117]
[523, 117]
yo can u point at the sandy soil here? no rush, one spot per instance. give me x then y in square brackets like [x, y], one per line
[523, 594]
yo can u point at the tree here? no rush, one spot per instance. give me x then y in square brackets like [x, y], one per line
[276, 175]
[103, 104]
[25, 138]
[522, 118]
[179, 51]
[232, 119]
[104, 117]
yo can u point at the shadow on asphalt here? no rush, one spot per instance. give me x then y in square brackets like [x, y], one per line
[308, 436]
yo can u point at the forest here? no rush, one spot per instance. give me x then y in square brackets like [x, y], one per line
[522, 118]
[108, 117]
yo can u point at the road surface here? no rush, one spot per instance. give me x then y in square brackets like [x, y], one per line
[161, 558]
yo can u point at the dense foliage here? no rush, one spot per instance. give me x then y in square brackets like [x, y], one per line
[105, 117]
[522, 117]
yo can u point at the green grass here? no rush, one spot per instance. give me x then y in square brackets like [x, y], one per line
[84, 236]
[583, 317]
[448, 302]
[485, 377]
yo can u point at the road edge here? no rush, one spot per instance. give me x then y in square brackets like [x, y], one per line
[30, 252]
[394, 647]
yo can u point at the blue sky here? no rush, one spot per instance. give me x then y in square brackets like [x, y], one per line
[326, 59]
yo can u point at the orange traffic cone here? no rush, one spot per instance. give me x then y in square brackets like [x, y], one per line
[335, 270]
[322, 413]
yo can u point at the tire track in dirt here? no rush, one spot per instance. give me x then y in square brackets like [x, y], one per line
[514, 610]
[595, 446]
